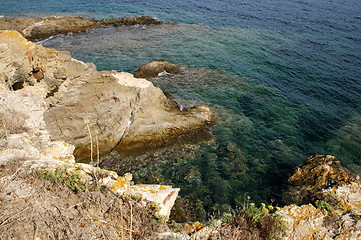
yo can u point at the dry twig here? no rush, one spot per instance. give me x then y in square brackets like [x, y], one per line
[16, 214]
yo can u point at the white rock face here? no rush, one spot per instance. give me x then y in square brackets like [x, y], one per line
[349, 195]
[308, 222]
[304, 222]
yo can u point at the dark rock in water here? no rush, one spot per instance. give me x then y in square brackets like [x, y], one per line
[44, 27]
[319, 172]
[154, 68]
[130, 21]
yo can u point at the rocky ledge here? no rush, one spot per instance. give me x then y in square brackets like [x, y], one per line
[44, 27]
[55, 110]
[328, 199]
[74, 102]
[52, 104]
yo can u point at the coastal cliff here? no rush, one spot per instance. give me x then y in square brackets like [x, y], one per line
[55, 110]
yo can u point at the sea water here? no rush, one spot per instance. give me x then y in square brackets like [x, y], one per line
[282, 76]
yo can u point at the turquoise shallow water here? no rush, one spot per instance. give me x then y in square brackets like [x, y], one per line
[284, 80]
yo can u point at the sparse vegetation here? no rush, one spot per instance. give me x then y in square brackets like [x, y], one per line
[37, 206]
[250, 222]
[324, 206]
[72, 180]
[356, 216]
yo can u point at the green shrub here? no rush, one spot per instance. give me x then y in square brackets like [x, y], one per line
[251, 222]
[324, 206]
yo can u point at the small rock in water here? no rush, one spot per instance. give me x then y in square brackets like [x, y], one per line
[154, 68]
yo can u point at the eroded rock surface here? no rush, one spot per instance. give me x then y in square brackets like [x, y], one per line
[318, 173]
[335, 194]
[71, 97]
[119, 111]
[308, 222]
[44, 27]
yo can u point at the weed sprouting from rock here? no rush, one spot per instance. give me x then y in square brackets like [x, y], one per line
[250, 222]
[61, 175]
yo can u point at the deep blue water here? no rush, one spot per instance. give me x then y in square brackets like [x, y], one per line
[284, 79]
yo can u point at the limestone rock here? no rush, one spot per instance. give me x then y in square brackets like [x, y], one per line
[319, 172]
[58, 155]
[308, 222]
[348, 196]
[75, 101]
[303, 222]
[164, 196]
[336, 192]
[34, 144]
[44, 27]
[39, 28]
[152, 69]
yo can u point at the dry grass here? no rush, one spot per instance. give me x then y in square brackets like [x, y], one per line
[32, 208]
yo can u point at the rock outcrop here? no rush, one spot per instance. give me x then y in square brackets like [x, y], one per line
[44, 27]
[119, 111]
[131, 21]
[320, 172]
[335, 194]
[308, 222]
[154, 68]
[50, 101]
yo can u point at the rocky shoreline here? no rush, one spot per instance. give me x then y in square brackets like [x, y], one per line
[44, 27]
[56, 109]
[128, 114]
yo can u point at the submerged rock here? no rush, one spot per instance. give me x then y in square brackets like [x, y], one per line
[130, 21]
[154, 68]
[44, 27]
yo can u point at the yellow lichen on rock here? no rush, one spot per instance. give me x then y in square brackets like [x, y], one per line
[9, 34]
[303, 222]
[119, 184]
